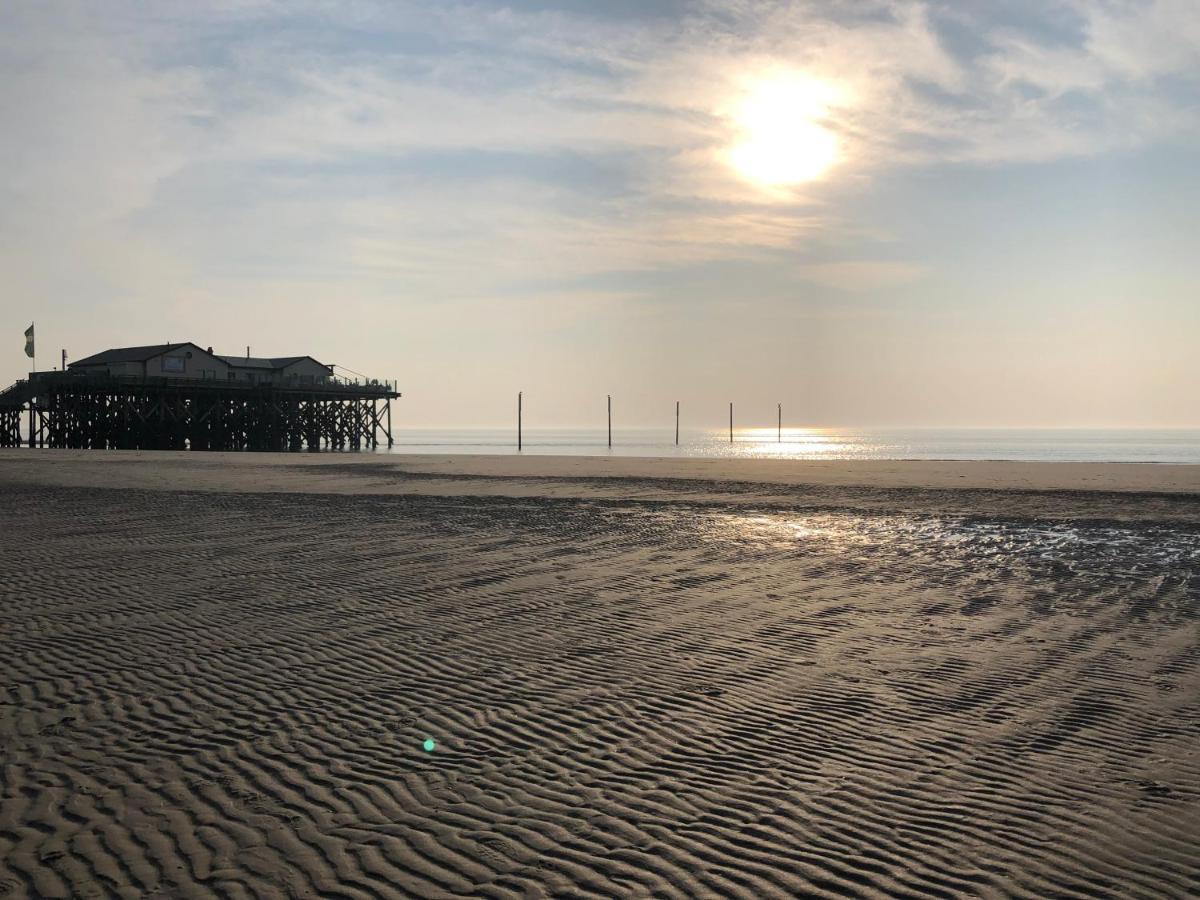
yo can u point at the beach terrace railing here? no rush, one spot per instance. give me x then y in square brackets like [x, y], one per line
[337, 383]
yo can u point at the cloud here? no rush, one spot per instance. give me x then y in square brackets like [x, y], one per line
[88, 134]
[449, 147]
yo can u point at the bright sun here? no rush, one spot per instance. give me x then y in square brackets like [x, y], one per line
[780, 140]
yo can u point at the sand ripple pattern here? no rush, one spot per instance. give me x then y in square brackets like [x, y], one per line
[217, 695]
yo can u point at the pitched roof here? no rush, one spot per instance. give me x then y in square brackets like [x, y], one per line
[262, 362]
[129, 354]
[141, 354]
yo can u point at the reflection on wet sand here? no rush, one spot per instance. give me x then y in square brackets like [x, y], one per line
[1103, 550]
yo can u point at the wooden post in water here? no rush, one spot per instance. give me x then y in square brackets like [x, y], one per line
[610, 421]
[780, 405]
[731, 422]
[518, 420]
[676, 423]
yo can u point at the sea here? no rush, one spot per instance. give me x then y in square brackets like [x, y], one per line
[1173, 445]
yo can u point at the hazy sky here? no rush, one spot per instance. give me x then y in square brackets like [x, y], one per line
[875, 212]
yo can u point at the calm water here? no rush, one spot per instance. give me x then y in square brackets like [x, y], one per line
[1079, 445]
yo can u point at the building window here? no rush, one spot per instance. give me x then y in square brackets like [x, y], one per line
[173, 363]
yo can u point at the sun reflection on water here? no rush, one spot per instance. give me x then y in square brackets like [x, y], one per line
[793, 443]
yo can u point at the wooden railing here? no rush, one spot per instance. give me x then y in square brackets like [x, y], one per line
[288, 382]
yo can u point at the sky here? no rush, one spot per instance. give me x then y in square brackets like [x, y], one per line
[882, 212]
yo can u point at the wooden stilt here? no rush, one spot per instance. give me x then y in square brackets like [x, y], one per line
[103, 413]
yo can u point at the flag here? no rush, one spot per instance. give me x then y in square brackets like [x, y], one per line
[29, 341]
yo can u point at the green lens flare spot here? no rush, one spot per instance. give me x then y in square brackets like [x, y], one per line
[429, 745]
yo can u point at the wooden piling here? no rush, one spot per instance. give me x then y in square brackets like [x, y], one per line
[105, 412]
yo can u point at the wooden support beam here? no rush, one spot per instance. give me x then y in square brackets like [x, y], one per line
[120, 415]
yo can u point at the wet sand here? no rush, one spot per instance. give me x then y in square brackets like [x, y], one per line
[643, 678]
[1104, 491]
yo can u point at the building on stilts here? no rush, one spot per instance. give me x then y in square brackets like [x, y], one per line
[185, 397]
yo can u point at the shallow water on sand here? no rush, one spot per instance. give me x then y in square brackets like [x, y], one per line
[1097, 549]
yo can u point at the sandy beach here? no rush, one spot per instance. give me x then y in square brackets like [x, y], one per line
[669, 678]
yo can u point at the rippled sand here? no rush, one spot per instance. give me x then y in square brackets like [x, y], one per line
[634, 690]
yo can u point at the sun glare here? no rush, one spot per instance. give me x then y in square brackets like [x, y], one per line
[780, 136]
